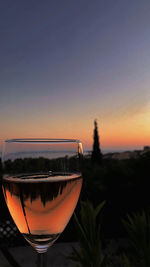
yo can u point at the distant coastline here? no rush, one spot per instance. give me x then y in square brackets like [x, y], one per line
[121, 153]
[113, 153]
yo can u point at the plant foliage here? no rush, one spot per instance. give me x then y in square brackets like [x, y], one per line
[138, 229]
[88, 231]
[96, 153]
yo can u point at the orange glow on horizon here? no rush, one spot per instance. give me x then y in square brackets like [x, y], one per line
[131, 129]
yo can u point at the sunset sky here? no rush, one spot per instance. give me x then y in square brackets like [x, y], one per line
[65, 63]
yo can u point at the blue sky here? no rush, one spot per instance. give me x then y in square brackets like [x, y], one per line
[65, 63]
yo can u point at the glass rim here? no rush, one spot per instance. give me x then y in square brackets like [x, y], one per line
[42, 140]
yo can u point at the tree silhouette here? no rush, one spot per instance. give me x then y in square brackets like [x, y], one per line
[96, 153]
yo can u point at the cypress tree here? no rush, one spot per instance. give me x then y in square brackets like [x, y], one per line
[96, 153]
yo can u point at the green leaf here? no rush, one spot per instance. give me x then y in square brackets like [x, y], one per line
[88, 232]
[81, 234]
[98, 208]
[138, 229]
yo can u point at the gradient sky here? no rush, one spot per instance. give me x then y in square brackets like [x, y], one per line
[64, 63]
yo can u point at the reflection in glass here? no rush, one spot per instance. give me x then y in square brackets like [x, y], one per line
[41, 192]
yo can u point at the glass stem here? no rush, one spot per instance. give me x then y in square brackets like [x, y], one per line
[42, 260]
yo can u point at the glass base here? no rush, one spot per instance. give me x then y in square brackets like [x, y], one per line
[41, 243]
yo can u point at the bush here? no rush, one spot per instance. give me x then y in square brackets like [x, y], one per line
[138, 229]
[88, 232]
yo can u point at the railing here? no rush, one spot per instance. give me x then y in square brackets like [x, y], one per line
[9, 237]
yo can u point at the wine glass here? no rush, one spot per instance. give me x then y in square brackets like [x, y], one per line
[41, 184]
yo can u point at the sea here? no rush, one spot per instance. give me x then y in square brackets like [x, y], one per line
[54, 154]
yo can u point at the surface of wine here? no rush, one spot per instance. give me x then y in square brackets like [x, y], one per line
[42, 204]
